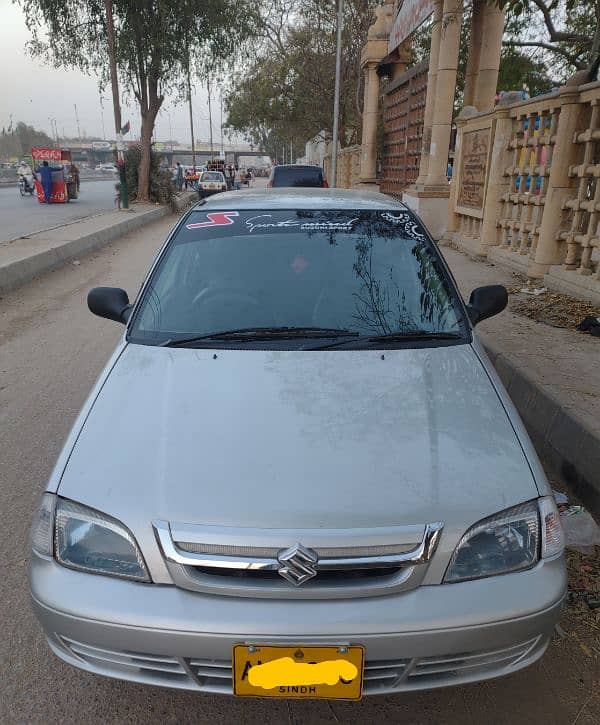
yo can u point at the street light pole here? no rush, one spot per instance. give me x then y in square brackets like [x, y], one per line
[210, 121]
[189, 90]
[336, 97]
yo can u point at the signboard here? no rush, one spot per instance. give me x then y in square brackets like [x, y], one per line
[473, 171]
[40, 154]
[411, 15]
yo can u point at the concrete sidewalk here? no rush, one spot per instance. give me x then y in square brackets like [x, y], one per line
[29, 256]
[552, 375]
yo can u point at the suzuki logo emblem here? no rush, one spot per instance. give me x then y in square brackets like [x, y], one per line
[298, 564]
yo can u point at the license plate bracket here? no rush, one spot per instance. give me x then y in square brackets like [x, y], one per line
[344, 663]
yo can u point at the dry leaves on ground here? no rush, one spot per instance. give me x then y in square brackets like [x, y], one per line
[552, 308]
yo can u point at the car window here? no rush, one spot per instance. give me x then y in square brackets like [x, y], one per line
[212, 176]
[298, 176]
[372, 272]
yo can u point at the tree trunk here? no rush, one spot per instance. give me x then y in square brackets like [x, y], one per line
[112, 61]
[145, 160]
[148, 120]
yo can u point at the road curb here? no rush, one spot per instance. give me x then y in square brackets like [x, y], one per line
[559, 435]
[16, 273]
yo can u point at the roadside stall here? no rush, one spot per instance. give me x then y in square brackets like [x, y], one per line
[64, 182]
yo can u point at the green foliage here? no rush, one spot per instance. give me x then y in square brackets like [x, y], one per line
[286, 93]
[18, 141]
[161, 185]
[157, 42]
[517, 70]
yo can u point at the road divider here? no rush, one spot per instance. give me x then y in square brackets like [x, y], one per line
[25, 258]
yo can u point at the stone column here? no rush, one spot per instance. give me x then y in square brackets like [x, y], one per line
[444, 93]
[368, 161]
[549, 250]
[498, 183]
[473, 53]
[489, 57]
[431, 84]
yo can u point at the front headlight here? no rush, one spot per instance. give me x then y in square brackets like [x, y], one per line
[506, 542]
[90, 541]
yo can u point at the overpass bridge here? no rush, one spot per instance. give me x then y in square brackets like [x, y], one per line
[99, 152]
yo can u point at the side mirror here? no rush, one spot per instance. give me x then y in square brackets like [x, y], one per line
[109, 302]
[486, 302]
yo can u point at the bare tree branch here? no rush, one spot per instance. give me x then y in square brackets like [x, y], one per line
[574, 59]
[557, 35]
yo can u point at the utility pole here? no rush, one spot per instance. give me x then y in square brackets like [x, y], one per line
[102, 117]
[114, 82]
[336, 97]
[222, 145]
[210, 120]
[77, 121]
[189, 95]
[291, 153]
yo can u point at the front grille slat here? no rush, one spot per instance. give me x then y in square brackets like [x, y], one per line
[380, 676]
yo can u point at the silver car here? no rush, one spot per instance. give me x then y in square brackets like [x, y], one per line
[298, 474]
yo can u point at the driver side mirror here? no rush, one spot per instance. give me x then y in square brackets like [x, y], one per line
[486, 302]
[109, 302]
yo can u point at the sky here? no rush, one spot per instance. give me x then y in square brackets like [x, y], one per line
[33, 92]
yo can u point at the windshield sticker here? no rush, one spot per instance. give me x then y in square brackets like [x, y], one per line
[405, 220]
[215, 219]
[262, 221]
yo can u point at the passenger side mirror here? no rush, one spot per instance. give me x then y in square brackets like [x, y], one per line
[109, 302]
[486, 302]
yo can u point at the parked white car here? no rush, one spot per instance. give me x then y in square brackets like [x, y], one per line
[298, 453]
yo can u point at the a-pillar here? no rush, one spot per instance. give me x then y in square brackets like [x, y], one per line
[436, 32]
[430, 199]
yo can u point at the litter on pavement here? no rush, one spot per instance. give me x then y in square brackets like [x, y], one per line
[581, 531]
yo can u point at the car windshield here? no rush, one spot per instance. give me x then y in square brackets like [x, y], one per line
[212, 176]
[368, 272]
[298, 176]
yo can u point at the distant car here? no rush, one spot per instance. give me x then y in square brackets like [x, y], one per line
[106, 167]
[299, 452]
[211, 182]
[297, 175]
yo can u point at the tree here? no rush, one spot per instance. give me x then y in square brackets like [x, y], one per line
[18, 141]
[155, 40]
[286, 95]
[567, 31]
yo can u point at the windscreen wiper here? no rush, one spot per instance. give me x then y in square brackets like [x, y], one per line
[394, 337]
[250, 334]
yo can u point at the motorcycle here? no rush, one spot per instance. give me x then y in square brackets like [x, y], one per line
[25, 187]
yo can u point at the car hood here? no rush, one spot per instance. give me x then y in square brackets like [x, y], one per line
[294, 439]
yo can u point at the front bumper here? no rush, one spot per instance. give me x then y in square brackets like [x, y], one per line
[428, 637]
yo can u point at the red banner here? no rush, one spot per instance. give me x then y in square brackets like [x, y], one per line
[39, 154]
[59, 192]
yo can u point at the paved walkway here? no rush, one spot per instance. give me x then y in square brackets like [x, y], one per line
[552, 375]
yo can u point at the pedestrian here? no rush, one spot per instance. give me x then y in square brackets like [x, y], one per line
[237, 179]
[46, 181]
[179, 176]
[75, 175]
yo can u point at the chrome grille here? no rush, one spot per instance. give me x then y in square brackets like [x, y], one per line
[269, 552]
[264, 571]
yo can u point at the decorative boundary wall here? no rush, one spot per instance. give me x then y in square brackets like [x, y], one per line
[540, 189]
[348, 167]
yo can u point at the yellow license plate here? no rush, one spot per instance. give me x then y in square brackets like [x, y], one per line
[310, 672]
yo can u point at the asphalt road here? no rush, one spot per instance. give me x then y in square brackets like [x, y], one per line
[25, 215]
[51, 350]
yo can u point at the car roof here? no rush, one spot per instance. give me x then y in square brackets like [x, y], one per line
[299, 198]
[296, 166]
